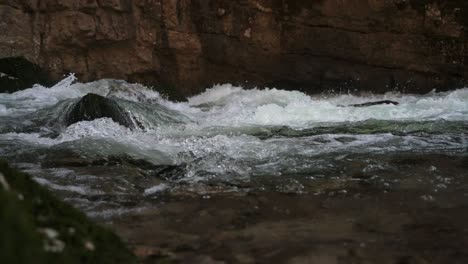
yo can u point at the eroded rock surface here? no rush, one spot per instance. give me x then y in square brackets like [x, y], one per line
[183, 46]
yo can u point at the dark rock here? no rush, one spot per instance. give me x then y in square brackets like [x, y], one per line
[375, 103]
[17, 73]
[93, 106]
[371, 103]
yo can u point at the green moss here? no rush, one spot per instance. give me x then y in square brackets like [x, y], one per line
[27, 208]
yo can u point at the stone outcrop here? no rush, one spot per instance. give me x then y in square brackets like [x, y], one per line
[184, 46]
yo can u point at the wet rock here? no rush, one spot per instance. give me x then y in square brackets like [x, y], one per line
[93, 106]
[382, 102]
[17, 73]
[375, 103]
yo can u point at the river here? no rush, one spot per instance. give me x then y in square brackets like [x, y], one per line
[230, 141]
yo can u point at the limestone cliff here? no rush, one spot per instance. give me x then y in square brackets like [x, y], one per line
[185, 46]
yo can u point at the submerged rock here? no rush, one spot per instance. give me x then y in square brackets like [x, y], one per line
[371, 103]
[375, 103]
[93, 106]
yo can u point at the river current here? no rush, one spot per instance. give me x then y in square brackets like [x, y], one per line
[230, 139]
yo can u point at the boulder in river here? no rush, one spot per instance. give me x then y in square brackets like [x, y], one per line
[93, 106]
[371, 103]
[375, 103]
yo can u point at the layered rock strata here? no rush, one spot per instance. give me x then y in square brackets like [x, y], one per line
[184, 46]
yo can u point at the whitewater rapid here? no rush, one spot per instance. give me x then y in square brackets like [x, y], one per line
[234, 106]
[226, 135]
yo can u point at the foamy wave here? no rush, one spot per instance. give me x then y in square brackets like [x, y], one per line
[234, 106]
[228, 94]
[228, 105]
[38, 96]
[99, 128]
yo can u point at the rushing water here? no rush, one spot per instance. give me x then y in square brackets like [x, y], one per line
[229, 139]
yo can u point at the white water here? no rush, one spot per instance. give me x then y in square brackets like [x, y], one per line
[235, 106]
[221, 140]
[223, 113]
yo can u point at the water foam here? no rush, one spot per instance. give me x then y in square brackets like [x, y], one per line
[226, 134]
[229, 105]
[38, 96]
[221, 116]
[236, 106]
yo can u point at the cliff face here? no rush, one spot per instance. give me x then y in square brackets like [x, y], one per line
[185, 46]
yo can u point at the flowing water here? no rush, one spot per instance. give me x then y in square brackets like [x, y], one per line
[230, 139]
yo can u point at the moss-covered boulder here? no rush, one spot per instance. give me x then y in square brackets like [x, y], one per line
[38, 228]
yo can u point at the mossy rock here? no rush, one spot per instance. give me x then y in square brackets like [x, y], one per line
[39, 228]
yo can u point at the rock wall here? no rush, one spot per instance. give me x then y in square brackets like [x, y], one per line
[184, 46]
